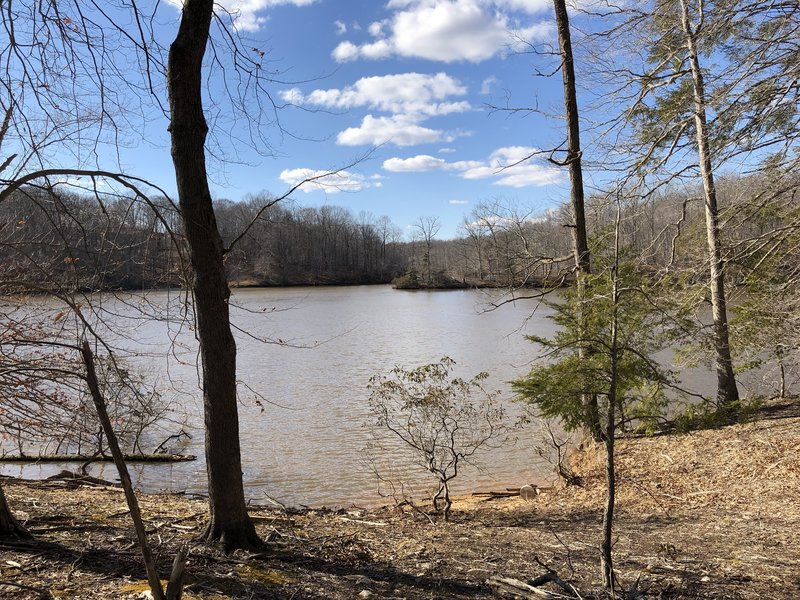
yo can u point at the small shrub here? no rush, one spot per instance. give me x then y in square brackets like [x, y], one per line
[444, 422]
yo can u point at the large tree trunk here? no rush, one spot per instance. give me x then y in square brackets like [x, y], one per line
[580, 243]
[9, 526]
[230, 523]
[727, 392]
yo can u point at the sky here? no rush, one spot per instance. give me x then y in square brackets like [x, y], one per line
[403, 88]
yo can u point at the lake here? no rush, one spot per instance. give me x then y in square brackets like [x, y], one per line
[305, 358]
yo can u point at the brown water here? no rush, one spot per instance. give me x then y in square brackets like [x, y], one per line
[303, 403]
[305, 358]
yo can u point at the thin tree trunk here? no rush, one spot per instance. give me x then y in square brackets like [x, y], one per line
[606, 558]
[9, 526]
[229, 521]
[122, 469]
[580, 243]
[606, 547]
[727, 392]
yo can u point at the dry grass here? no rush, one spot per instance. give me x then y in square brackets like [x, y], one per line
[712, 514]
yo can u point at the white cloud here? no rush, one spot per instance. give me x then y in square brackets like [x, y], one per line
[341, 28]
[376, 50]
[293, 96]
[245, 13]
[449, 30]
[400, 130]
[404, 93]
[463, 165]
[446, 150]
[486, 85]
[458, 202]
[513, 166]
[332, 183]
[409, 98]
[344, 52]
[415, 164]
[529, 6]
[376, 29]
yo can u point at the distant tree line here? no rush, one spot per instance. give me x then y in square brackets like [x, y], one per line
[116, 242]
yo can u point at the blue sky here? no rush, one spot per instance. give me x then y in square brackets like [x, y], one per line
[406, 83]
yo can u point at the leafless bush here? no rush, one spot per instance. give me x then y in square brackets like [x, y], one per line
[443, 422]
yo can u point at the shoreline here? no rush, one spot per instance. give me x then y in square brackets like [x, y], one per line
[708, 514]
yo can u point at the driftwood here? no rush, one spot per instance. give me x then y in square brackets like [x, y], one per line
[80, 478]
[491, 494]
[38, 458]
[506, 587]
[524, 491]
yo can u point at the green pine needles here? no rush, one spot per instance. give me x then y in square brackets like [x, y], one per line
[618, 315]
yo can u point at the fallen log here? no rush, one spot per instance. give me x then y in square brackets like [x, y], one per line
[494, 494]
[507, 587]
[526, 491]
[146, 458]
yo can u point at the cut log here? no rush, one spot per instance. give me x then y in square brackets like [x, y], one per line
[507, 587]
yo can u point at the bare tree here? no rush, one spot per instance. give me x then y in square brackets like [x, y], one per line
[427, 228]
[573, 161]
[444, 422]
[229, 523]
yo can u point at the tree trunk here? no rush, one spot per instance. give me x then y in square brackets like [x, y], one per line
[607, 545]
[229, 521]
[727, 392]
[580, 243]
[130, 497]
[9, 526]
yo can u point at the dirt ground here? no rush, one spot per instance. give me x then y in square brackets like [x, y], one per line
[712, 514]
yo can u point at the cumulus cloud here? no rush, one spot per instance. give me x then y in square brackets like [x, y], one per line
[415, 164]
[404, 93]
[247, 13]
[513, 166]
[341, 27]
[345, 51]
[409, 99]
[529, 6]
[400, 130]
[376, 29]
[332, 183]
[449, 30]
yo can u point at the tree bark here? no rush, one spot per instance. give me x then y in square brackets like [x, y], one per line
[580, 242]
[229, 521]
[727, 391]
[9, 526]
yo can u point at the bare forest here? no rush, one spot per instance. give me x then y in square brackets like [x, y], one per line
[676, 231]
